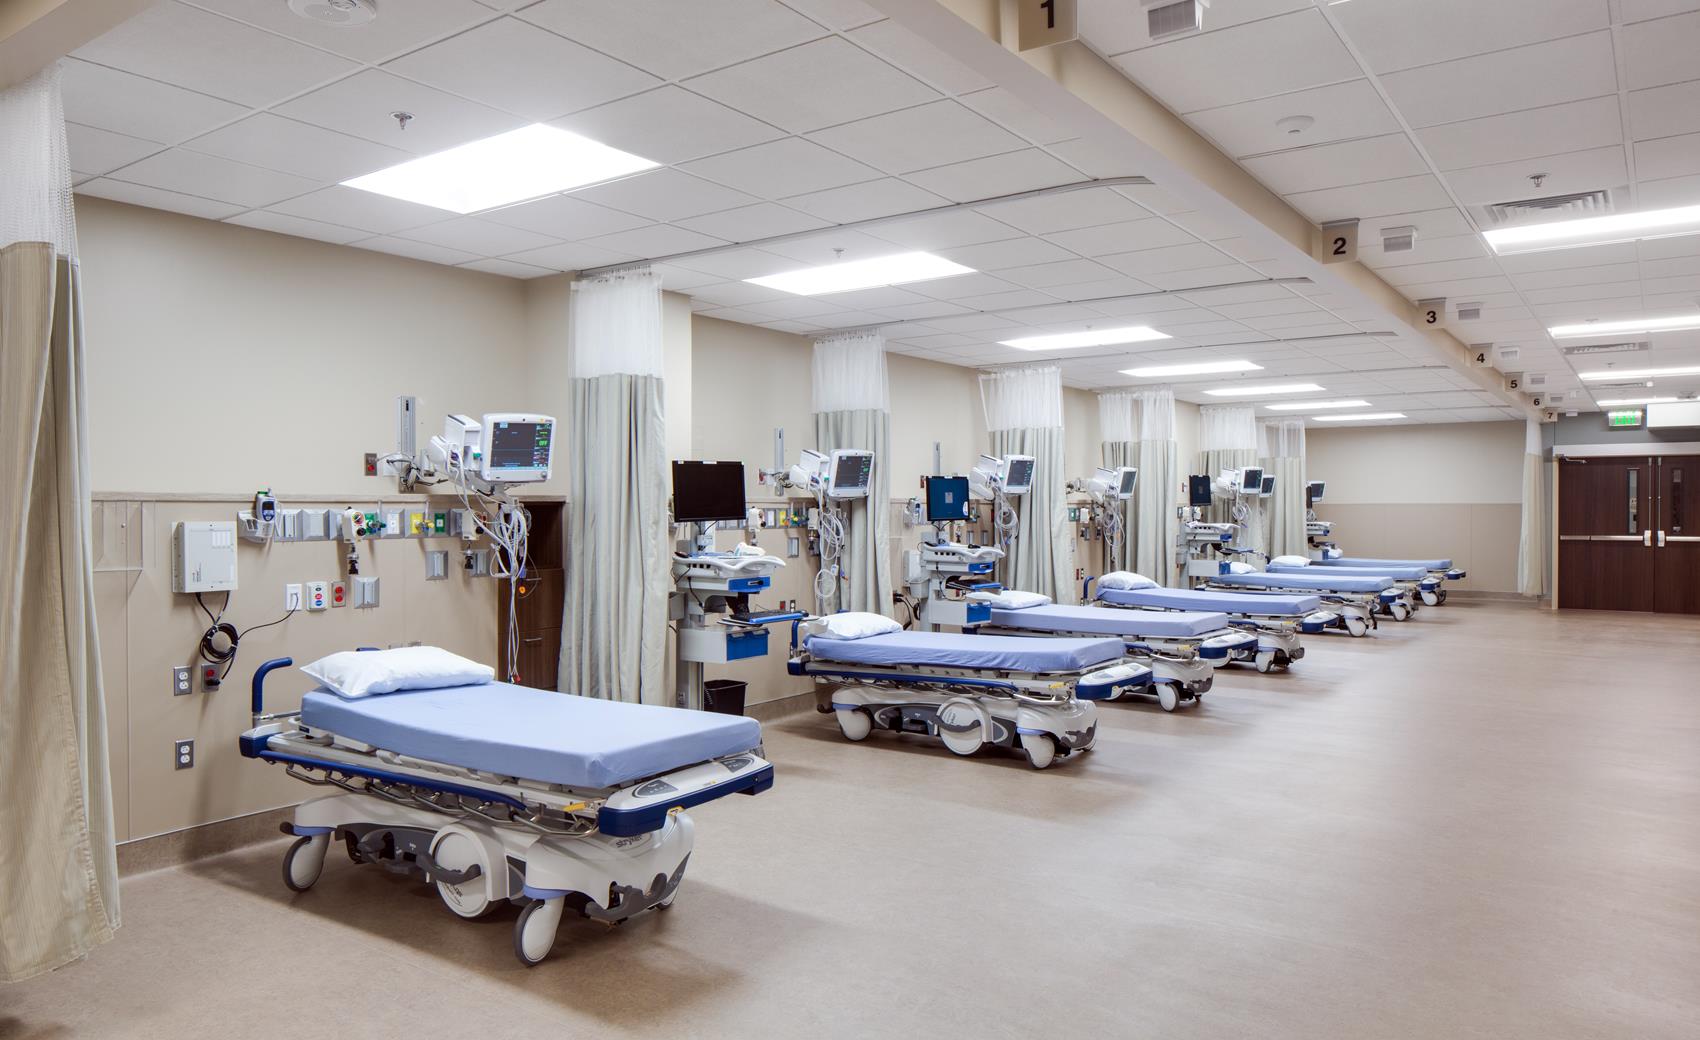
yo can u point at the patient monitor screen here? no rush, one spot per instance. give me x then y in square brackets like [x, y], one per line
[947, 499]
[852, 473]
[1313, 492]
[1268, 486]
[517, 448]
[707, 491]
[1251, 480]
[1129, 477]
[1198, 491]
[1020, 476]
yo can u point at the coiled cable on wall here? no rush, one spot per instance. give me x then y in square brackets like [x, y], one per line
[831, 549]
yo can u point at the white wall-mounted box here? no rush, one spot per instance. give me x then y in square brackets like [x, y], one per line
[203, 556]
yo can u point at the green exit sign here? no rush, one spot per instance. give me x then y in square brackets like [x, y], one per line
[1630, 417]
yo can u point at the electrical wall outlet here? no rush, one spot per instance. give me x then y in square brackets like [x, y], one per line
[182, 681]
[339, 593]
[292, 597]
[183, 754]
[209, 678]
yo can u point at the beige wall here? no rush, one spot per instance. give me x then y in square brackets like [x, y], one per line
[1446, 490]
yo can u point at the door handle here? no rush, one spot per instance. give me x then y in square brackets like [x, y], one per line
[1647, 538]
[1661, 539]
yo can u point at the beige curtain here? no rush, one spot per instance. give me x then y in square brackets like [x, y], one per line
[1531, 539]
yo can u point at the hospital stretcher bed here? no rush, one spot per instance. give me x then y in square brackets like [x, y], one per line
[968, 690]
[1276, 620]
[497, 793]
[1437, 568]
[1358, 599]
[1182, 649]
[1416, 583]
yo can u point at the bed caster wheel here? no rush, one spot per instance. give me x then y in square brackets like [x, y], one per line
[1041, 749]
[1168, 698]
[1356, 628]
[1431, 599]
[1400, 612]
[668, 902]
[470, 898]
[962, 727]
[305, 861]
[534, 932]
[855, 725]
[1440, 597]
[1266, 661]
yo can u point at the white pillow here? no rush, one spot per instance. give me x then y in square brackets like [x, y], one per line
[1125, 581]
[1011, 599]
[362, 673]
[855, 625]
[1236, 567]
[1292, 561]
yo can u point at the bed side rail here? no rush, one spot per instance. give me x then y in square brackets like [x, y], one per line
[645, 807]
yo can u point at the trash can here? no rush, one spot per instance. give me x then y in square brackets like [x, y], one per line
[725, 696]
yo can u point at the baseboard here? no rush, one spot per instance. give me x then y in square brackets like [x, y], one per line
[1488, 596]
[782, 707]
[193, 843]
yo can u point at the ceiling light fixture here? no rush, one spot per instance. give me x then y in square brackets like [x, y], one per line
[1358, 417]
[1200, 368]
[1258, 391]
[1595, 231]
[1630, 327]
[875, 272]
[522, 164]
[1634, 400]
[1642, 373]
[1305, 406]
[1087, 338]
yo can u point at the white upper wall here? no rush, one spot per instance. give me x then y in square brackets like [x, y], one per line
[1460, 463]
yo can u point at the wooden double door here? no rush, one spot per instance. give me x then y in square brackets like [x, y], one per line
[1629, 533]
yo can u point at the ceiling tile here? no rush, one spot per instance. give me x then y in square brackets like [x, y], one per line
[1665, 111]
[507, 268]
[300, 227]
[920, 59]
[1123, 237]
[676, 38]
[177, 44]
[1369, 200]
[1015, 252]
[479, 237]
[1402, 35]
[570, 256]
[916, 138]
[1576, 171]
[1016, 116]
[656, 240]
[155, 198]
[1111, 26]
[96, 151]
[669, 125]
[956, 228]
[1550, 73]
[1523, 135]
[351, 207]
[127, 104]
[817, 85]
[517, 67]
[830, 247]
[305, 150]
[397, 31]
[866, 201]
[739, 264]
[1066, 211]
[1335, 165]
[1661, 51]
[1173, 279]
[965, 285]
[1260, 59]
[1342, 111]
[1147, 262]
[415, 250]
[791, 166]
[362, 103]
[836, 14]
[1676, 191]
[746, 223]
[999, 175]
[565, 217]
[1668, 156]
[211, 177]
[1061, 273]
[665, 195]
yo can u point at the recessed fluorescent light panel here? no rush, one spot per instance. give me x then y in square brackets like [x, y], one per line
[1630, 327]
[1643, 373]
[872, 273]
[522, 164]
[1087, 338]
[1595, 231]
[1358, 417]
[1259, 391]
[1202, 368]
[1305, 406]
[1615, 402]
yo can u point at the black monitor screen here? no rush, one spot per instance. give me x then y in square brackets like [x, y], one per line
[706, 491]
[947, 499]
[1020, 473]
[1251, 480]
[1199, 491]
[1313, 493]
[520, 445]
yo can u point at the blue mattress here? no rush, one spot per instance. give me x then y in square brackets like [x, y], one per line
[1267, 605]
[1127, 624]
[1367, 561]
[1396, 573]
[533, 734]
[958, 650]
[1331, 582]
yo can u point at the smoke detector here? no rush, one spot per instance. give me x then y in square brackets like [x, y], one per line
[1295, 124]
[339, 14]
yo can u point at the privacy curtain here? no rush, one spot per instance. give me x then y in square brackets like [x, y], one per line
[58, 857]
[1157, 495]
[1284, 515]
[1117, 425]
[1531, 556]
[852, 405]
[1227, 439]
[620, 572]
[1024, 417]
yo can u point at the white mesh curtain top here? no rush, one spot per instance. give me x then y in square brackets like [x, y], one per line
[852, 408]
[1157, 495]
[1118, 426]
[1116, 419]
[1283, 456]
[1024, 416]
[58, 853]
[614, 628]
[1227, 439]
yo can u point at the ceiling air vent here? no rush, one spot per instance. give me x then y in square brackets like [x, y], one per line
[1164, 18]
[1552, 207]
[1605, 348]
[1535, 380]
